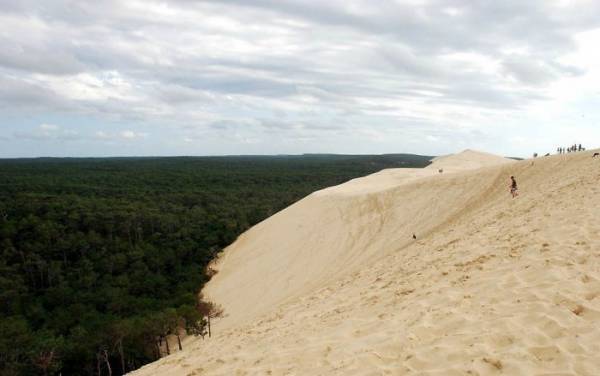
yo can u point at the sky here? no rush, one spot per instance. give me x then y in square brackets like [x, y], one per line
[183, 77]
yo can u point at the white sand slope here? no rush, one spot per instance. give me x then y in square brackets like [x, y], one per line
[335, 284]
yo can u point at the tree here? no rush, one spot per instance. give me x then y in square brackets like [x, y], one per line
[44, 353]
[118, 332]
[102, 357]
[194, 322]
[15, 341]
[209, 310]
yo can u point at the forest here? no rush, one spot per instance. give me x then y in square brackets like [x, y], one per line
[101, 259]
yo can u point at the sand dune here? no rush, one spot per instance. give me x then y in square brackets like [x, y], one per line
[335, 284]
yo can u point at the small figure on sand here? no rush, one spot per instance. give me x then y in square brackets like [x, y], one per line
[596, 155]
[513, 187]
[414, 236]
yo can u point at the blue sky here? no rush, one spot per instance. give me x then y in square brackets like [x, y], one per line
[118, 78]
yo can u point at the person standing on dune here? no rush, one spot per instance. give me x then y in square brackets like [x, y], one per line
[513, 187]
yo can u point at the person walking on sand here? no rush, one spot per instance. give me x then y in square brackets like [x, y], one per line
[513, 187]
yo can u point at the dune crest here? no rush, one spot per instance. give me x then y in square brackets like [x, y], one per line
[467, 160]
[336, 284]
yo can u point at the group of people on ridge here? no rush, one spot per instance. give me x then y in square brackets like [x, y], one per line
[571, 149]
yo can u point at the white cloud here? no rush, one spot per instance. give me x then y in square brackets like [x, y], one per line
[47, 132]
[131, 135]
[101, 135]
[49, 127]
[126, 135]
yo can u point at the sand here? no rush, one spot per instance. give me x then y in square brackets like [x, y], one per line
[336, 285]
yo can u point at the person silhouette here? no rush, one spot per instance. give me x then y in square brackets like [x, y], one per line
[513, 187]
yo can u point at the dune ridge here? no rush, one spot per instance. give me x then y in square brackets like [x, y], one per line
[335, 284]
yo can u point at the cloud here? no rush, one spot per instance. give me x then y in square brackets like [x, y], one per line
[131, 135]
[101, 135]
[49, 127]
[126, 135]
[45, 132]
[23, 94]
[263, 69]
[528, 71]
